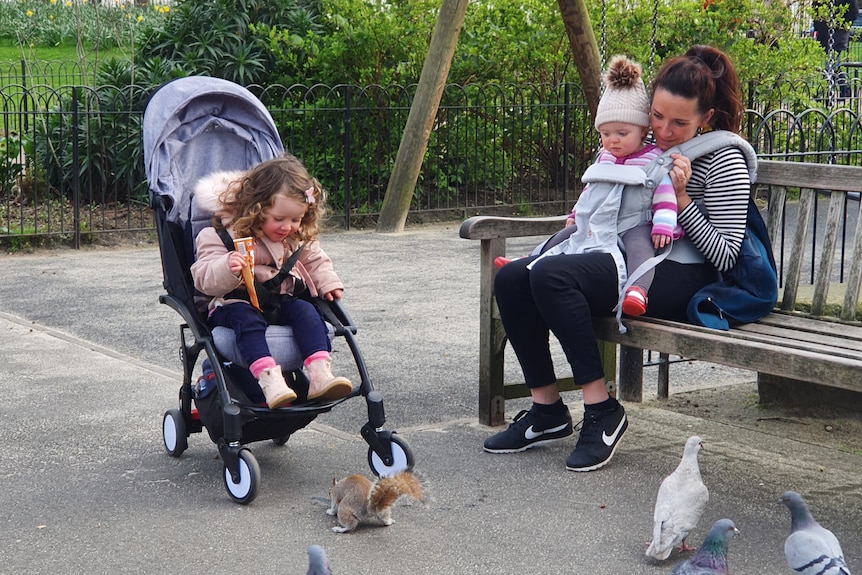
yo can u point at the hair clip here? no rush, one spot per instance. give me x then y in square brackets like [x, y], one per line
[309, 195]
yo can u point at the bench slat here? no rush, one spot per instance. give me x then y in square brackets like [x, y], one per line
[793, 338]
[807, 199]
[807, 175]
[850, 334]
[827, 252]
[825, 326]
[725, 348]
[854, 276]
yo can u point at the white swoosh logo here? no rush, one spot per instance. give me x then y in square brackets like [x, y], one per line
[530, 434]
[609, 439]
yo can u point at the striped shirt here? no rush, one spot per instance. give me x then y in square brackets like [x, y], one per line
[715, 220]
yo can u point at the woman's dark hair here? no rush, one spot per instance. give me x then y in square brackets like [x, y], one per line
[707, 75]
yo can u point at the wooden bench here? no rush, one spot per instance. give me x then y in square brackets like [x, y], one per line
[823, 345]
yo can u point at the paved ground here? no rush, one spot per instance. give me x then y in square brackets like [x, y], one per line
[90, 365]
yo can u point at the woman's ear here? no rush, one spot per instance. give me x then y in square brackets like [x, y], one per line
[707, 117]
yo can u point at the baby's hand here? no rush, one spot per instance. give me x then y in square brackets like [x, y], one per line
[333, 295]
[660, 240]
[570, 221]
[235, 262]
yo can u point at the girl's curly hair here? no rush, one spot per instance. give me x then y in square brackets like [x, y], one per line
[251, 196]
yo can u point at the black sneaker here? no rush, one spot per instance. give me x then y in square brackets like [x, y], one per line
[600, 434]
[530, 429]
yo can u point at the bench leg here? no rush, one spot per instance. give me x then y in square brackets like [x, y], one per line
[663, 375]
[492, 339]
[608, 353]
[631, 373]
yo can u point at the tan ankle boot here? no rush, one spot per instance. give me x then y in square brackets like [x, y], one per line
[274, 387]
[323, 385]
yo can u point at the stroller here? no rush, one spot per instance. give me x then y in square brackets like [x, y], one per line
[194, 126]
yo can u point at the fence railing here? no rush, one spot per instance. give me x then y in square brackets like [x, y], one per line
[71, 158]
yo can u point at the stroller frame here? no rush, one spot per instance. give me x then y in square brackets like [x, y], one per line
[211, 104]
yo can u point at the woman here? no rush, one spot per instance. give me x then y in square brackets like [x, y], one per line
[561, 294]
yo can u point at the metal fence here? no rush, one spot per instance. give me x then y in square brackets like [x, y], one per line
[71, 162]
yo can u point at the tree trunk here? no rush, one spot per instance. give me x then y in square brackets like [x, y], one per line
[582, 42]
[414, 141]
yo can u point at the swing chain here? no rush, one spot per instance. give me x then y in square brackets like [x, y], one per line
[652, 40]
[603, 40]
[831, 59]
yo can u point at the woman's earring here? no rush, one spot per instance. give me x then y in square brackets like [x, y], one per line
[699, 131]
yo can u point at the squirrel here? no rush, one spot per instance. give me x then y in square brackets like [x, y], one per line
[356, 499]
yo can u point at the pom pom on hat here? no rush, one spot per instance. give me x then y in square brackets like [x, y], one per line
[625, 98]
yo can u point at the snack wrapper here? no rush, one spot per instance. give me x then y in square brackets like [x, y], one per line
[245, 247]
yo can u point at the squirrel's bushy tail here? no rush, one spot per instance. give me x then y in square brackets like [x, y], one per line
[387, 490]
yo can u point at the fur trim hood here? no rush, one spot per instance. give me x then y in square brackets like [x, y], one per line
[207, 192]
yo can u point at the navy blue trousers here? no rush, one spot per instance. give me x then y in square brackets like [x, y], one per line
[562, 294]
[249, 327]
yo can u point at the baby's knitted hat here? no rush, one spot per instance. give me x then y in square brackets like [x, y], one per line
[625, 98]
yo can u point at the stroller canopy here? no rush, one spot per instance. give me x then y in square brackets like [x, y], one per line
[197, 125]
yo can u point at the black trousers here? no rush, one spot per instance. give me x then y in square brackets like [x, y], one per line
[561, 295]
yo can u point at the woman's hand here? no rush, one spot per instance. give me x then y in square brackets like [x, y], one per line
[680, 173]
[333, 295]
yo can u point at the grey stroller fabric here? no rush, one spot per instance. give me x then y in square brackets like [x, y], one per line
[280, 339]
[198, 125]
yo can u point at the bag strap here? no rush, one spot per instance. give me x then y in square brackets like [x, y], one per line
[272, 283]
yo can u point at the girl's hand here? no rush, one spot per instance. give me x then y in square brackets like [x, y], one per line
[235, 262]
[680, 174]
[660, 240]
[333, 295]
[570, 221]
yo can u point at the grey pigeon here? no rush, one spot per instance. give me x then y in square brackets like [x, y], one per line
[810, 549]
[680, 502]
[318, 564]
[711, 557]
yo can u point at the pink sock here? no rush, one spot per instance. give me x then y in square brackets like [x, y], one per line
[260, 365]
[322, 354]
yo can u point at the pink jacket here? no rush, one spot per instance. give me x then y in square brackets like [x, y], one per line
[212, 275]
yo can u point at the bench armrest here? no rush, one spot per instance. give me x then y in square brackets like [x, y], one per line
[496, 227]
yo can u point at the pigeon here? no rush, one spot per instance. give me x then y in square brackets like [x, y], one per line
[711, 557]
[680, 502]
[810, 549]
[318, 564]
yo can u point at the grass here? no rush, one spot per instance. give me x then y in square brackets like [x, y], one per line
[50, 65]
[11, 52]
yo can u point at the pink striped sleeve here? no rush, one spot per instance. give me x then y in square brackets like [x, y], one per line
[664, 210]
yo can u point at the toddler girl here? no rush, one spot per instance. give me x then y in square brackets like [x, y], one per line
[279, 205]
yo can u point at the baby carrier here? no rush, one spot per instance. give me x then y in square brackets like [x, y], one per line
[195, 126]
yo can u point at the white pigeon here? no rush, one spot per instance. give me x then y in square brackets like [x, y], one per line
[680, 502]
[810, 549]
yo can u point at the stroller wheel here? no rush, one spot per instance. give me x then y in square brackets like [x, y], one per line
[245, 490]
[402, 458]
[174, 434]
[281, 440]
